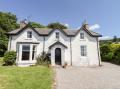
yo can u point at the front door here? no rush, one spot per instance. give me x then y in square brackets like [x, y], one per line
[58, 56]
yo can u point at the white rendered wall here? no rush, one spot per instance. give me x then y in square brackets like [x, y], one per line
[92, 54]
[77, 60]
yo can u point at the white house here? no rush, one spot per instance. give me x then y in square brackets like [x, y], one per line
[74, 47]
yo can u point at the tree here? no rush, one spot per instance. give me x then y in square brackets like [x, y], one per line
[3, 42]
[36, 25]
[56, 26]
[115, 39]
[8, 22]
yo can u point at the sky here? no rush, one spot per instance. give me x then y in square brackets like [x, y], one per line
[103, 16]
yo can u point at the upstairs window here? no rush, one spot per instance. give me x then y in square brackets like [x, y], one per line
[83, 49]
[57, 35]
[29, 34]
[82, 36]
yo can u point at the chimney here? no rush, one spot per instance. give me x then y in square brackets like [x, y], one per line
[23, 23]
[86, 25]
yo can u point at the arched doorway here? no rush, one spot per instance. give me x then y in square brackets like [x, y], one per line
[58, 56]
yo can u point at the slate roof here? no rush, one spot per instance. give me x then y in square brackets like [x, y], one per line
[47, 31]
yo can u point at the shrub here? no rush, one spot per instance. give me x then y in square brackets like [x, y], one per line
[43, 59]
[117, 56]
[108, 57]
[111, 53]
[9, 58]
[105, 49]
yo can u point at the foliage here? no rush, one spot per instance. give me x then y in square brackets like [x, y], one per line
[115, 39]
[8, 22]
[3, 42]
[110, 52]
[36, 25]
[117, 55]
[56, 26]
[9, 58]
[105, 52]
[43, 59]
[35, 77]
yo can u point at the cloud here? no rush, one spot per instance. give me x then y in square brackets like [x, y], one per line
[67, 25]
[95, 26]
[105, 38]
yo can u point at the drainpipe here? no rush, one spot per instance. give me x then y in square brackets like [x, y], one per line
[43, 43]
[71, 51]
[98, 49]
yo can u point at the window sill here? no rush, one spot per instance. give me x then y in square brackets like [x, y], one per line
[82, 39]
[83, 57]
[28, 39]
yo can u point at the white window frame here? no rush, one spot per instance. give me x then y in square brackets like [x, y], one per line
[35, 51]
[29, 34]
[26, 50]
[30, 55]
[57, 35]
[82, 35]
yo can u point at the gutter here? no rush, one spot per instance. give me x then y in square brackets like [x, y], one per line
[98, 49]
[44, 44]
[71, 51]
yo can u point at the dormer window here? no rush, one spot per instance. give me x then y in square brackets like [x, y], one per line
[82, 36]
[29, 34]
[57, 35]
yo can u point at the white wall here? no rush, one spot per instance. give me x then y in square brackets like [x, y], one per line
[51, 39]
[92, 53]
[77, 60]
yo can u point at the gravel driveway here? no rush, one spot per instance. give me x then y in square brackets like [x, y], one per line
[105, 77]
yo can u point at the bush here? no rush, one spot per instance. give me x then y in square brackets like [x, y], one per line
[108, 57]
[117, 56]
[9, 58]
[43, 59]
[105, 49]
[110, 53]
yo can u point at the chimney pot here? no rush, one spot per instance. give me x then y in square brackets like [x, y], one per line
[23, 23]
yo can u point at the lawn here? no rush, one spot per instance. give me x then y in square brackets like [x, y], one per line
[1, 60]
[36, 77]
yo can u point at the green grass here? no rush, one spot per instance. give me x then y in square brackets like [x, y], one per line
[36, 77]
[1, 61]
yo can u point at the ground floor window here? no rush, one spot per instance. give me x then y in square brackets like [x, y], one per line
[83, 49]
[25, 52]
[28, 51]
[33, 51]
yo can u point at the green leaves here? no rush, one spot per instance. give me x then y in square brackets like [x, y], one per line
[9, 58]
[36, 25]
[8, 22]
[110, 52]
[56, 26]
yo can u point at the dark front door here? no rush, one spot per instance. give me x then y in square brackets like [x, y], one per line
[58, 56]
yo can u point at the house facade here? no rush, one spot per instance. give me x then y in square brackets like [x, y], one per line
[74, 47]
